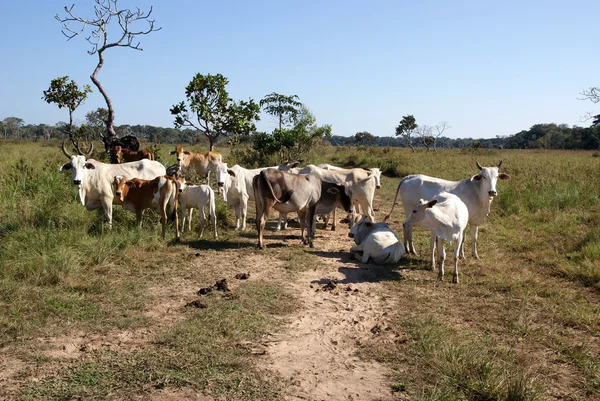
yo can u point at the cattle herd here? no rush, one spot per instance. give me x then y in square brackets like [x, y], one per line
[138, 182]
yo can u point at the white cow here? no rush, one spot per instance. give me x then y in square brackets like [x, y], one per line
[198, 197]
[235, 185]
[376, 241]
[95, 179]
[361, 182]
[476, 192]
[447, 217]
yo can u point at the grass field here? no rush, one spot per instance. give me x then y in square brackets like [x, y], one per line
[524, 324]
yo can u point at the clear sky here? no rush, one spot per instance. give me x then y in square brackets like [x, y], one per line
[488, 68]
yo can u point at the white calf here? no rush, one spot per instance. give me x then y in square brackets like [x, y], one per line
[198, 197]
[447, 220]
[376, 241]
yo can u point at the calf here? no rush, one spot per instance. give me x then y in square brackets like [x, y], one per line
[200, 162]
[447, 217]
[198, 196]
[136, 195]
[125, 155]
[287, 192]
[376, 241]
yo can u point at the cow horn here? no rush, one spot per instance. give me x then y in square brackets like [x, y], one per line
[65, 151]
[479, 165]
[88, 153]
[499, 164]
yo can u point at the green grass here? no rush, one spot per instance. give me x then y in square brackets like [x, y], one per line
[523, 315]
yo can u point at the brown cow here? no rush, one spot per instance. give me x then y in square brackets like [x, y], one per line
[126, 155]
[200, 162]
[136, 195]
[305, 194]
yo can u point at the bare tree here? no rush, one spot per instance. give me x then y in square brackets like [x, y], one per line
[105, 11]
[424, 133]
[592, 94]
[439, 128]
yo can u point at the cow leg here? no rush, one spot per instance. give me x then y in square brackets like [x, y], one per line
[408, 242]
[213, 217]
[244, 210]
[356, 248]
[106, 211]
[310, 219]
[138, 218]
[282, 221]
[455, 258]
[302, 215]
[163, 220]
[333, 227]
[263, 207]
[207, 177]
[432, 241]
[474, 231]
[202, 220]
[189, 211]
[442, 257]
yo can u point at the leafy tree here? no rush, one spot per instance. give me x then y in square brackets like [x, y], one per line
[294, 143]
[12, 127]
[105, 12]
[215, 112]
[65, 93]
[363, 137]
[406, 128]
[285, 108]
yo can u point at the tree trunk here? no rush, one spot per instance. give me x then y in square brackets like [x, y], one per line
[413, 149]
[110, 121]
[211, 143]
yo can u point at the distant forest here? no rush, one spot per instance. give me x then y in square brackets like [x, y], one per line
[539, 136]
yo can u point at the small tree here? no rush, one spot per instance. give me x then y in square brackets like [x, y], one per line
[285, 108]
[65, 93]
[363, 137]
[406, 128]
[107, 11]
[215, 112]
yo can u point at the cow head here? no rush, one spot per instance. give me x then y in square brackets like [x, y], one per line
[223, 175]
[181, 183]
[343, 194]
[361, 229]
[78, 165]
[489, 177]
[375, 172]
[180, 153]
[119, 184]
[119, 153]
[418, 212]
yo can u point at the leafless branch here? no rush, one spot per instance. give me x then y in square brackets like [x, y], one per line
[441, 127]
[592, 94]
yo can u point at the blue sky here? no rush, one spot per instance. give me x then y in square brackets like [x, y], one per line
[488, 68]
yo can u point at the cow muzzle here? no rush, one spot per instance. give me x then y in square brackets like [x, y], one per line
[492, 193]
[76, 182]
[378, 186]
[351, 234]
[220, 184]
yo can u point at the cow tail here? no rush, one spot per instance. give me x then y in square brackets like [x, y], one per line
[284, 198]
[395, 198]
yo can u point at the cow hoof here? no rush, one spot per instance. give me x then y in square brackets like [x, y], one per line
[454, 280]
[332, 228]
[440, 278]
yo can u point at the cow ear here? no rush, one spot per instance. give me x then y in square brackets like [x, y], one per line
[230, 172]
[90, 166]
[431, 203]
[476, 177]
[173, 152]
[504, 176]
[66, 166]
[334, 191]
[185, 152]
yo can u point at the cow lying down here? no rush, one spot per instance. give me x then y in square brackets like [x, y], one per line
[376, 241]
